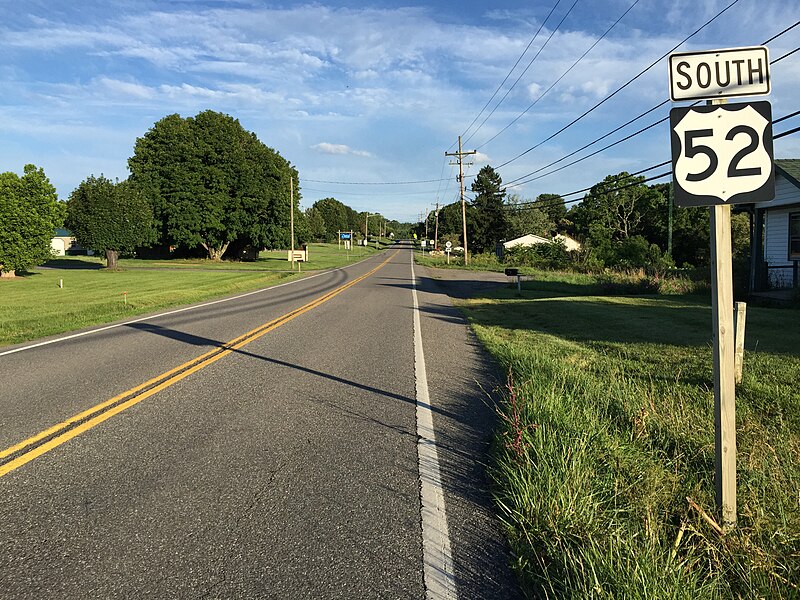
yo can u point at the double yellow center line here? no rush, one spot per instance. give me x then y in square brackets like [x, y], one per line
[25, 451]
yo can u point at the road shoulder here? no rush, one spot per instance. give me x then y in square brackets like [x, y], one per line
[462, 379]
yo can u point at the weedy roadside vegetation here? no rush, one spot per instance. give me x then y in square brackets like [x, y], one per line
[605, 281]
[604, 454]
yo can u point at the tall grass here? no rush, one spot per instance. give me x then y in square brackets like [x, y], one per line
[607, 428]
[607, 281]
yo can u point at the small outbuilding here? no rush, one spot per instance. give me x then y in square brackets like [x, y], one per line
[62, 242]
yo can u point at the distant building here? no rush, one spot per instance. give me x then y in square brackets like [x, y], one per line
[62, 242]
[532, 240]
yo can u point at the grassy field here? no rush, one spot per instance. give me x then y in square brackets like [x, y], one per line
[34, 305]
[606, 428]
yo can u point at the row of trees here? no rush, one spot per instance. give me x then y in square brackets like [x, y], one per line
[197, 182]
[200, 182]
[327, 217]
[621, 222]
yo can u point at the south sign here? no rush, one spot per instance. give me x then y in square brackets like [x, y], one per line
[719, 73]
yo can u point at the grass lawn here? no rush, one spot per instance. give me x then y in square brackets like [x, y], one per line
[321, 256]
[607, 427]
[33, 306]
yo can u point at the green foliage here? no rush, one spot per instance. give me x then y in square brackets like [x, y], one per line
[552, 255]
[29, 215]
[524, 218]
[606, 428]
[212, 183]
[316, 224]
[619, 205]
[488, 216]
[335, 217]
[109, 217]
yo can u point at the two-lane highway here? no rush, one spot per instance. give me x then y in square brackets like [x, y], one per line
[267, 446]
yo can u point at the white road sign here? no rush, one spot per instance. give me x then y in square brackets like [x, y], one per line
[719, 73]
[722, 154]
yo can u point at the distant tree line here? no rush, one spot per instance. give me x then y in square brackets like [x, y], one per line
[621, 223]
[328, 217]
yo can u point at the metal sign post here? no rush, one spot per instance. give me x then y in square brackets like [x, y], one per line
[722, 155]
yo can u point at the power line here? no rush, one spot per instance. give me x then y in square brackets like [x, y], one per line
[564, 74]
[785, 133]
[552, 33]
[534, 204]
[777, 35]
[373, 182]
[584, 147]
[499, 87]
[619, 89]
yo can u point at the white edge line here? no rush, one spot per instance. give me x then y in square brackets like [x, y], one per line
[173, 312]
[437, 559]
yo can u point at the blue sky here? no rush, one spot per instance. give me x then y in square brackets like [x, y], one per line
[364, 92]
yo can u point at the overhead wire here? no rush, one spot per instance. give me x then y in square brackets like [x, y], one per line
[564, 74]
[513, 85]
[622, 87]
[535, 204]
[502, 83]
[640, 131]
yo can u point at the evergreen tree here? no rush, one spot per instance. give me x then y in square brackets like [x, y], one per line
[488, 215]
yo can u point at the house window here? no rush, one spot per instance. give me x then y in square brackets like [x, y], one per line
[794, 236]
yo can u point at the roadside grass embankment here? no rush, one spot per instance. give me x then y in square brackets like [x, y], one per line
[34, 306]
[607, 427]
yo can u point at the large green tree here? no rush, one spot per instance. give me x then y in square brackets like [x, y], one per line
[29, 214]
[211, 183]
[526, 217]
[110, 217]
[488, 215]
[553, 206]
[334, 215]
[316, 224]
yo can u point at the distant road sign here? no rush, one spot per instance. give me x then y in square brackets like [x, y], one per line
[722, 154]
[449, 245]
[719, 73]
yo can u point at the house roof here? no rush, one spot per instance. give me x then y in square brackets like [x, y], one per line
[61, 232]
[789, 168]
[526, 240]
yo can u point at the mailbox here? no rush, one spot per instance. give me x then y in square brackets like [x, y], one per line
[512, 272]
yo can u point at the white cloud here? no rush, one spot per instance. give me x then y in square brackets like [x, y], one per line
[401, 82]
[328, 148]
[127, 89]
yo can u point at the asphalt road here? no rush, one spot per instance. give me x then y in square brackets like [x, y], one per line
[188, 461]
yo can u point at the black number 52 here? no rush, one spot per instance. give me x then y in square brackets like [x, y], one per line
[693, 149]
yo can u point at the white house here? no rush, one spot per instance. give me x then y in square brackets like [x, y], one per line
[776, 232]
[531, 240]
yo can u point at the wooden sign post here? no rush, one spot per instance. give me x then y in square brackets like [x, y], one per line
[724, 383]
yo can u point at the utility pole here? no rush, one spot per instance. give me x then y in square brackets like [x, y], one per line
[436, 234]
[291, 215]
[427, 213]
[460, 154]
[670, 201]
[366, 229]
